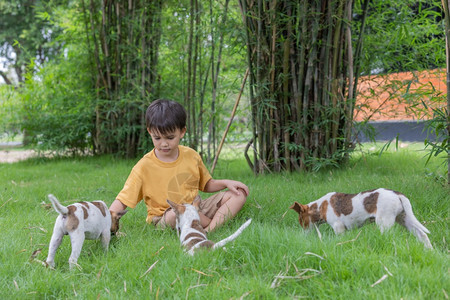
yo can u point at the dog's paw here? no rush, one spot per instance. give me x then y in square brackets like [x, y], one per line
[73, 265]
[49, 264]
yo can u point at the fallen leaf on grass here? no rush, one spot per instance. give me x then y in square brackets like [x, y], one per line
[35, 253]
[120, 234]
[46, 205]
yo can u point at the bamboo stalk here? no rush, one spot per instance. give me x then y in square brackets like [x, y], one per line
[247, 25]
[233, 112]
[350, 100]
[334, 77]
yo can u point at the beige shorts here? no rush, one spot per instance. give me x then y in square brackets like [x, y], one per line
[208, 207]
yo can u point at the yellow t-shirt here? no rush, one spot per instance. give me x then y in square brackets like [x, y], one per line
[155, 181]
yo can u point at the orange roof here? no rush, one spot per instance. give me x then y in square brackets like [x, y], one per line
[399, 96]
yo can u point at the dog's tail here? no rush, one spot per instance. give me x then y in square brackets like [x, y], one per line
[233, 236]
[413, 225]
[57, 206]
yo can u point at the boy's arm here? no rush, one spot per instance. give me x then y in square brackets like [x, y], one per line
[117, 206]
[215, 185]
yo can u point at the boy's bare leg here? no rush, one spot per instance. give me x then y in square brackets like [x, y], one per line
[230, 205]
[168, 219]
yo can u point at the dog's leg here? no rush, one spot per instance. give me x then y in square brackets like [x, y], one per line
[77, 239]
[385, 221]
[338, 227]
[106, 237]
[55, 241]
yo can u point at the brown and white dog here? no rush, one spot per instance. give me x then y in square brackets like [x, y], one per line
[83, 220]
[191, 233]
[345, 211]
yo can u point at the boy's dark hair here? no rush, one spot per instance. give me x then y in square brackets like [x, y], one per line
[165, 116]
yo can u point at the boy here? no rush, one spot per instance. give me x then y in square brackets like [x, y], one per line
[175, 172]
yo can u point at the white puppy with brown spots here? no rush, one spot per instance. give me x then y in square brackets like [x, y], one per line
[346, 211]
[191, 233]
[83, 220]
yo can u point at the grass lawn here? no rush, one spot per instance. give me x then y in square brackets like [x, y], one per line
[272, 259]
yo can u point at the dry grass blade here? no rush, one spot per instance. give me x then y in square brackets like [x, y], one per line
[74, 291]
[318, 232]
[200, 272]
[193, 287]
[41, 262]
[386, 269]
[296, 277]
[6, 202]
[313, 254]
[149, 269]
[245, 295]
[275, 282]
[157, 252]
[99, 274]
[380, 280]
[350, 241]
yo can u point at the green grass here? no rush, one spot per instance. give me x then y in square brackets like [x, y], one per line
[272, 259]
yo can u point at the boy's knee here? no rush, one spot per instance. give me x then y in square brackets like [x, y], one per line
[168, 220]
[234, 199]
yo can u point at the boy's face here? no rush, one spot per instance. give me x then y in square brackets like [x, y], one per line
[166, 145]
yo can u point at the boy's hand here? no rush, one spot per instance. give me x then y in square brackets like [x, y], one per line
[238, 188]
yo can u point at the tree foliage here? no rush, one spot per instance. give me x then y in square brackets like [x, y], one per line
[27, 34]
[400, 36]
[94, 66]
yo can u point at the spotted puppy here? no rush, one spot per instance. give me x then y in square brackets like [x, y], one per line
[90, 220]
[345, 211]
[191, 233]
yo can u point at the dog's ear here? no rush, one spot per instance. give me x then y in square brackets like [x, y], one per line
[172, 204]
[177, 208]
[297, 207]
